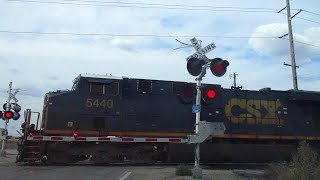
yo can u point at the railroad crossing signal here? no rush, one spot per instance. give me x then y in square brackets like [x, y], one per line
[200, 51]
[198, 59]
[11, 111]
[194, 66]
[218, 66]
[197, 65]
[4, 115]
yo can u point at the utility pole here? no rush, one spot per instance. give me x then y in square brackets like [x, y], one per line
[234, 76]
[293, 61]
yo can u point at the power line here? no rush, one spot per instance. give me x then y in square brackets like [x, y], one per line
[146, 7]
[310, 12]
[308, 20]
[304, 43]
[130, 35]
[297, 41]
[170, 5]
[165, 6]
[149, 35]
[301, 18]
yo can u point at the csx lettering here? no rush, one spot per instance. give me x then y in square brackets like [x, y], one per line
[253, 111]
[95, 103]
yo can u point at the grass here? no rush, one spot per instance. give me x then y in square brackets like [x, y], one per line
[305, 165]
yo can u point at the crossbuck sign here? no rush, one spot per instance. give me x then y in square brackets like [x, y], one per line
[201, 52]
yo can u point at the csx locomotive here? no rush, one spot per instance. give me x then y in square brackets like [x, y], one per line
[107, 119]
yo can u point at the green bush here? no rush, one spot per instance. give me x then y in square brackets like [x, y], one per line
[303, 166]
[183, 170]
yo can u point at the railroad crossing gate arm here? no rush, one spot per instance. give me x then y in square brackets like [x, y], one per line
[207, 129]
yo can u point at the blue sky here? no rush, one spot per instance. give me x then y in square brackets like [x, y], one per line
[40, 63]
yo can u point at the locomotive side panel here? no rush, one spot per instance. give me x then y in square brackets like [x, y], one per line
[304, 110]
[126, 107]
[153, 107]
[250, 113]
[61, 109]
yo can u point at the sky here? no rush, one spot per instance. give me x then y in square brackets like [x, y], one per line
[38, 63]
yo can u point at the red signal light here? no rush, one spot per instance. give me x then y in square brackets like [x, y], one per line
[75, 135]
[219, 68]
[194, 66]
[211, 93]
[188, 91]
[8, 114]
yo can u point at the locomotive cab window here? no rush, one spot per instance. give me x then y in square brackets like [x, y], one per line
[112, 88]
[96, 88]
[107, 89]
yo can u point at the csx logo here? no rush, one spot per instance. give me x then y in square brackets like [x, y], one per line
[244, 111]
[102, 103]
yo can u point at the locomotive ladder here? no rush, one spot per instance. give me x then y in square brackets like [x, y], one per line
[29, 151]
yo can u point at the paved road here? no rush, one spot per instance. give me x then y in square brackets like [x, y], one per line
[10, 171]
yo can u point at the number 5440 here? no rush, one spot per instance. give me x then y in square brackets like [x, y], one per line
[95, 103]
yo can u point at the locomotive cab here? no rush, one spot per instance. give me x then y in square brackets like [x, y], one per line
[87, 109]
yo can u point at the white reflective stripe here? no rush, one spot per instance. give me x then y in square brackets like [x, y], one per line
[106, 139]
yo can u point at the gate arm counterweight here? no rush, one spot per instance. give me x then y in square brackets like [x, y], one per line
[207, 129]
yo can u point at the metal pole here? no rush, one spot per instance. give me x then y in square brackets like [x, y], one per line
[198, 102]
[293, 61]
[197, 171]
[234, 80]
[3, 147]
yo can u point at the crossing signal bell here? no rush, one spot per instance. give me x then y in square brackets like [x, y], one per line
[218, 66]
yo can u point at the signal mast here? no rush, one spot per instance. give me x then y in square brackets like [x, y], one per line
[197, 65]
[11, 111]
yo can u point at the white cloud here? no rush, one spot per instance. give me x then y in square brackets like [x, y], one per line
[279, 48]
